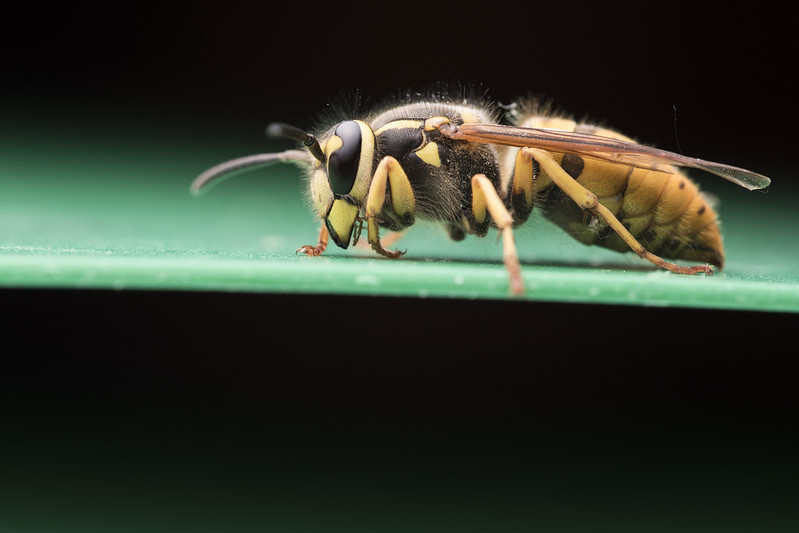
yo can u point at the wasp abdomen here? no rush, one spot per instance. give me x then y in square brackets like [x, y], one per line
[663, 209]
[660, 206]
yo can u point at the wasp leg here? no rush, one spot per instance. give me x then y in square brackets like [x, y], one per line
[588, 200]
[389, 174]
[320, 247]
[486, 201]
[389, 240]
[524, 180]
[356, 238]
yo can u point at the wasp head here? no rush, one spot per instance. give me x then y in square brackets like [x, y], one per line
[340, 174]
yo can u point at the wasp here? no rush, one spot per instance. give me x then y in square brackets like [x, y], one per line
[453, 162]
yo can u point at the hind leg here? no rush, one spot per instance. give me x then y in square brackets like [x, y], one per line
[588, 201]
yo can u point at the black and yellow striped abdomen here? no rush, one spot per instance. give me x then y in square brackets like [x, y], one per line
[662, 208]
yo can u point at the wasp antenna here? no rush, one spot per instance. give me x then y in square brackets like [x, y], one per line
[241, 164]
[278, 130]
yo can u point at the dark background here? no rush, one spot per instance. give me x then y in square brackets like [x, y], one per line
[724, 66]
[144, 408]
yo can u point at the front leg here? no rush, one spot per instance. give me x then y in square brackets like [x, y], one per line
[321, 245]
[389, 174]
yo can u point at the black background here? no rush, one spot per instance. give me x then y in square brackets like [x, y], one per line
[725, 67]
[706, 393]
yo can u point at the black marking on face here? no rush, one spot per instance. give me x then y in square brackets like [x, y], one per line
[342, 165]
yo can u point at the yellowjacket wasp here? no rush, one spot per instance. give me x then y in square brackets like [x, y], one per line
[452, 162]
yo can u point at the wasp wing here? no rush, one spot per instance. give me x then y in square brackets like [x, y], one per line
[246, 163]
[604, 148]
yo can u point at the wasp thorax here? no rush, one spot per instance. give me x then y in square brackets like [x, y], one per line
[343, 156]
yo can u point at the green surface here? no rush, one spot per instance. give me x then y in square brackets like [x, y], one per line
[107, 210]
[163, 411]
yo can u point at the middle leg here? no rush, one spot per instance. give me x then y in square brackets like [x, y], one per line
[486, 201]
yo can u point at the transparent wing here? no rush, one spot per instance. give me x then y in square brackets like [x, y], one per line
[246, 163]
[597, 147]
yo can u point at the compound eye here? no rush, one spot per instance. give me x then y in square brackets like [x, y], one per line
[342, 164]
